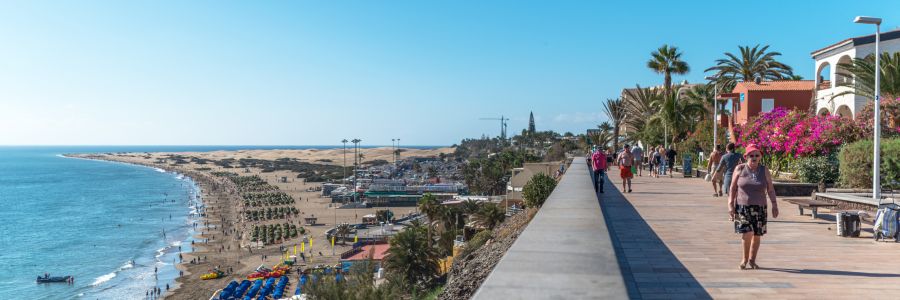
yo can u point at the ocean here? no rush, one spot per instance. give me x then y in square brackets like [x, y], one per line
[110, 225]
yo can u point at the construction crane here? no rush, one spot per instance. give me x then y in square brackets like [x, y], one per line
[503, 120]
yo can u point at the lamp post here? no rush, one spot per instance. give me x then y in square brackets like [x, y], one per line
[345, 161]
[715, 110]
[876, 163]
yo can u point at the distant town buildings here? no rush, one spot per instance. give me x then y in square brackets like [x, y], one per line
[521, 176]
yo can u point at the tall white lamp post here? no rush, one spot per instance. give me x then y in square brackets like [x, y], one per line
[876, 163]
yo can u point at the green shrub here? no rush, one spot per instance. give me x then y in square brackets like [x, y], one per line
[818, 169]
[856, 163]
[538, 189]
[476, 242]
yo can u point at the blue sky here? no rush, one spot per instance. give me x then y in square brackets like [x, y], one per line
[314, 72]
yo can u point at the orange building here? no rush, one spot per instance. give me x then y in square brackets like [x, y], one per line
[750, 99]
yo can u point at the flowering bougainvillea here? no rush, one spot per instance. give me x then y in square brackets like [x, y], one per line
[890, 118]
[795, 133]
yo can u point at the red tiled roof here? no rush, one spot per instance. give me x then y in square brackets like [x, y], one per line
[377, 251]
[778, 85]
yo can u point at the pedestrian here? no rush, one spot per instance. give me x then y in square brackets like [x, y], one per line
[638, 154]
[625, 161]
[670, 157]
[751, 184]
[712, 165]
[609, 158]
[728, 162]
[654, 162]
[662, 161]
[598, 161]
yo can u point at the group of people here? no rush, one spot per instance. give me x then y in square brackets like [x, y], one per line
[742, 178]
[631, 161]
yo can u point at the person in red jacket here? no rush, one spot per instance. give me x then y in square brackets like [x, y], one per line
[598, 162]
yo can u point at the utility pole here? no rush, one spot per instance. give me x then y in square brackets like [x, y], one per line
[345, 161]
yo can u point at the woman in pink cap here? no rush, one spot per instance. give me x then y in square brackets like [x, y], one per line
[750, 185]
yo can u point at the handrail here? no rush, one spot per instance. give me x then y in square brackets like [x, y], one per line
[565, 252]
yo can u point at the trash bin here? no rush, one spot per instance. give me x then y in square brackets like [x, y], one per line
[848, 224]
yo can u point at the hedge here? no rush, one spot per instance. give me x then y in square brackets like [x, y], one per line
[856, 163]
[538, 189]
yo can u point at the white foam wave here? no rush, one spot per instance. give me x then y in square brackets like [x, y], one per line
[126, 266]
[159, 170]
[103, 279]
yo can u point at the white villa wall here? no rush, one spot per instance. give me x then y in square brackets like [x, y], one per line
[853, 102]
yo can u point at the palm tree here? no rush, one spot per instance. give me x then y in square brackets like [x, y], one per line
[752, 63]
[615, 112]
[605, 135]
[677, 114]
[412, 256]
[862, 74]
[667, 61]
[430, 206]
[342, 231]
[639, 108]
[490, 215]
[470, 206]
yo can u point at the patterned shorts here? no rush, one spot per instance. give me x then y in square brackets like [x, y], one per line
[750, 218]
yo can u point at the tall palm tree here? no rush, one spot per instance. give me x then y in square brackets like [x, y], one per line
[679, 115]
[470, 206]
[862, 74]
[667, 61]
[639, 108]
[752, 62]
[412, 256]
[615, 112]
[490, 215]
[605, 135]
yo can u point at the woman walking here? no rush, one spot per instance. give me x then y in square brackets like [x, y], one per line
[653, 161]
[662, 161]
[712, 165]
[751, 184]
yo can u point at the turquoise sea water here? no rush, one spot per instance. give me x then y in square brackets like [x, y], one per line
[91, 219]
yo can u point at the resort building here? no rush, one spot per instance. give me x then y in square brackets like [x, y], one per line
[750, 99]
[832, 80]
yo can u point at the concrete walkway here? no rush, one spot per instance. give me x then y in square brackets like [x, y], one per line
[673, 239]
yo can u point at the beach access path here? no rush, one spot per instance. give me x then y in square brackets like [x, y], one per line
[673, 240]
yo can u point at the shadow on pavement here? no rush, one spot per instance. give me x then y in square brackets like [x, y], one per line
[650, 269]
[831, 272]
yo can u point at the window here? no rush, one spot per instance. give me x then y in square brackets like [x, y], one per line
[767, 105]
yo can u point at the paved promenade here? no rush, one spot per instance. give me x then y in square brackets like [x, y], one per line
[674, 240]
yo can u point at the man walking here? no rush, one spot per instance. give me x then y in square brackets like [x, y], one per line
[625, 161]
[598, 162]
[728, 162]
[670, 157]
[638, 155]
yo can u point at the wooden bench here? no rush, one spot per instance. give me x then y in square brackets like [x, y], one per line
[810, 204]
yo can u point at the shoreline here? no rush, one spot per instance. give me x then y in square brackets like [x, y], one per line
[205, 189]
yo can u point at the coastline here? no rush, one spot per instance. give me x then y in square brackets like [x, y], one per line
[207, 188]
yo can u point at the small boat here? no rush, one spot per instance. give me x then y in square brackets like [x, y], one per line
[49, 279]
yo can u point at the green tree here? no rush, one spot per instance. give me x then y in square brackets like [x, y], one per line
[412, 257]
[862, 73]
[678, 115]
[490, 215]
[615, 112]
[667, 61]
[342, 231]
[538, 189]
[639, 109]
[385, 215]
[752, 62]
[470, 206]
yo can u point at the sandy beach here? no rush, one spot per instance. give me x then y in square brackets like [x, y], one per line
[228, 233]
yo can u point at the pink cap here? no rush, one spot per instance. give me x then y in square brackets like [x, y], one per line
[750, 149]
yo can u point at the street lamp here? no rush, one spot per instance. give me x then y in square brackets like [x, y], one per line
[715, 110]
[876, 164]
[345, 161]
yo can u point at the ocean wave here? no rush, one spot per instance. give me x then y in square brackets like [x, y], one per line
[159, 170]
[126, 266]
[103, 279]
